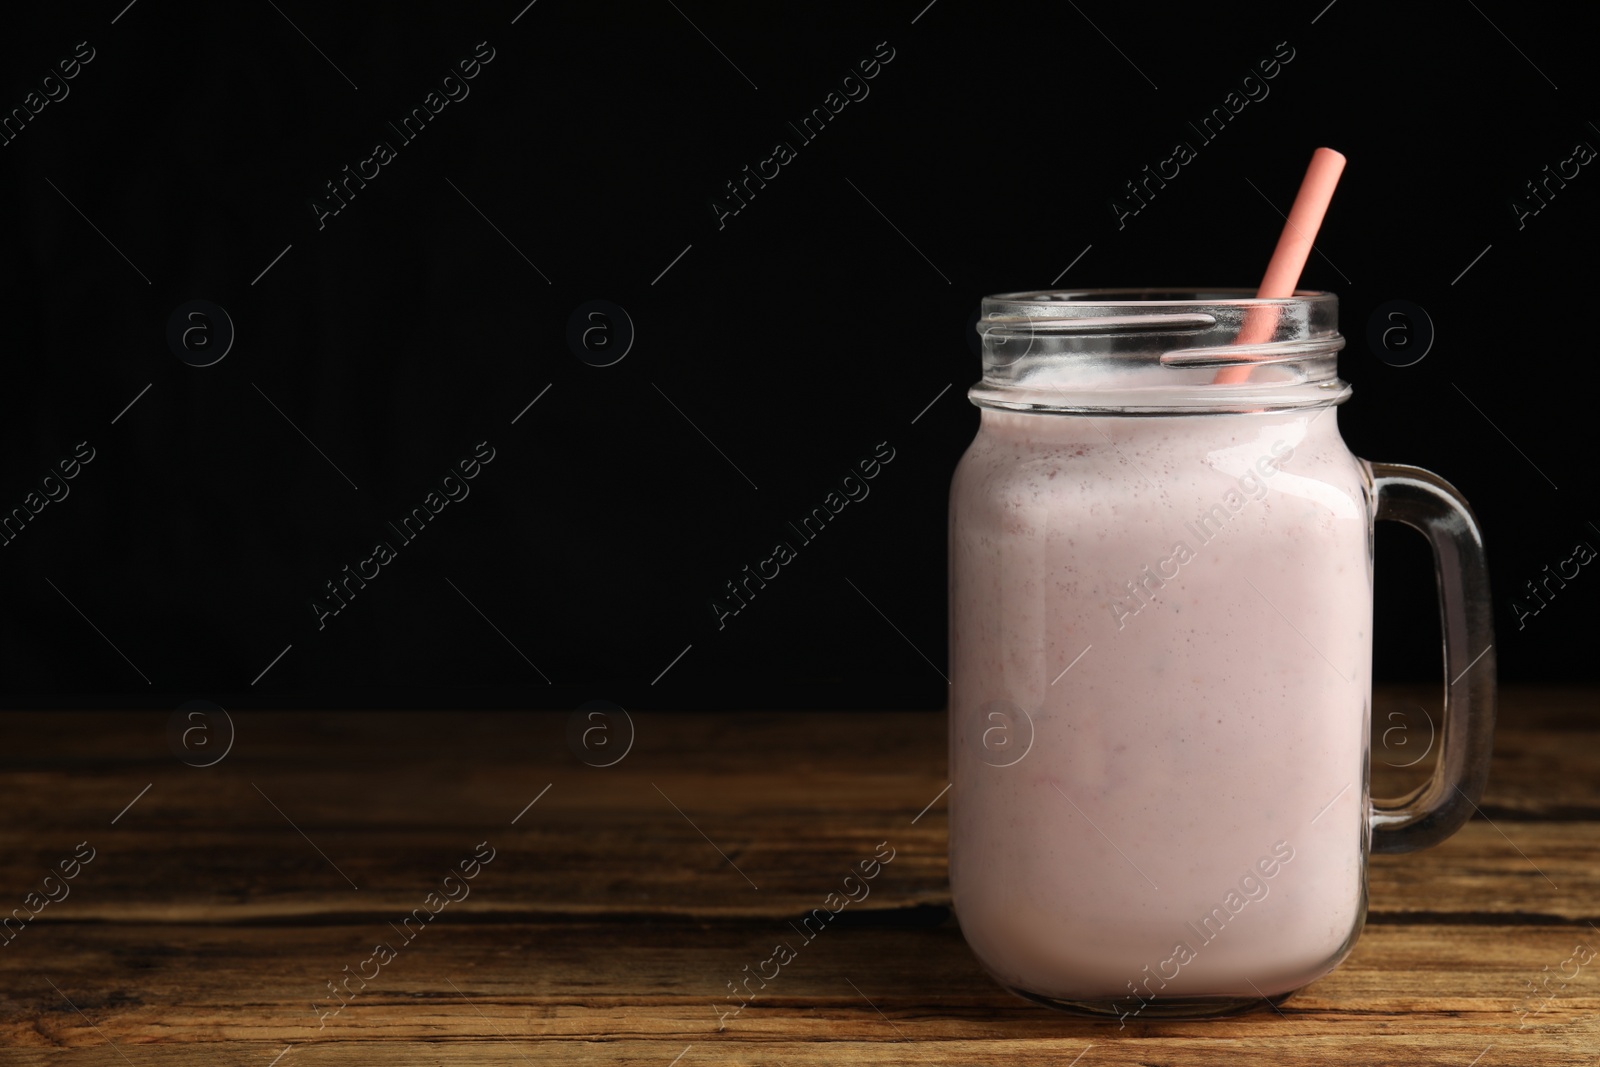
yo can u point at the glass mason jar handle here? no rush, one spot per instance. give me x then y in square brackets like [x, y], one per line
[1436, 809]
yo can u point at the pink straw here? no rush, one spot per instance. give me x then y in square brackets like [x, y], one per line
[1289, 258]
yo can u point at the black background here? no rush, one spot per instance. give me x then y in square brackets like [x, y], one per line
[819, 321]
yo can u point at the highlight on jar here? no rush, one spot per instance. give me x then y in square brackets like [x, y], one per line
[1161, 620]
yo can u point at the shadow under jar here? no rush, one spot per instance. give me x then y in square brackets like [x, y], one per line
[1161, 648]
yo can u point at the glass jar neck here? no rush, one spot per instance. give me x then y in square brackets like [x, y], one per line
[1150, 352]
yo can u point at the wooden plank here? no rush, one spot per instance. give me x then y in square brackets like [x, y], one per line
[218, 905]
[442, 1050]
[553, 993]
[1546, 753]
[574, 854]
[444, 768]
[275, 829]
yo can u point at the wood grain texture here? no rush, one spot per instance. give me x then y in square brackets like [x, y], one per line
[219, 905]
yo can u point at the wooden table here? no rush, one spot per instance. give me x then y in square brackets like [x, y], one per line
[221, 903]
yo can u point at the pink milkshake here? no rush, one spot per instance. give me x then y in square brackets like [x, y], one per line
[1160, 652]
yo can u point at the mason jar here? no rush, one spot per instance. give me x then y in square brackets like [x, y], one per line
[1161, 557]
